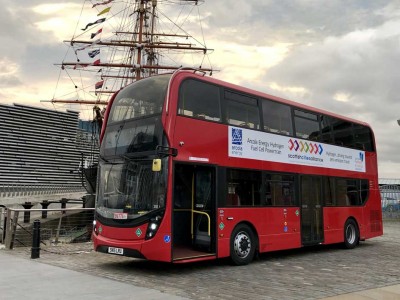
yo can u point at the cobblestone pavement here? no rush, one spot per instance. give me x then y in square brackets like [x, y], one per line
[309, 273]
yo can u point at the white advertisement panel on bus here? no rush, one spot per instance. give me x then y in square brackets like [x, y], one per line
[245, 143]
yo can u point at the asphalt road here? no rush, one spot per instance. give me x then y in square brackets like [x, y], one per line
[308, 273]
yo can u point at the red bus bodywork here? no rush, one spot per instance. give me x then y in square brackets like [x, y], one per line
[204, 143]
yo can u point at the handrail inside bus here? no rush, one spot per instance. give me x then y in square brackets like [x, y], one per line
[198, 212]
[208, 217]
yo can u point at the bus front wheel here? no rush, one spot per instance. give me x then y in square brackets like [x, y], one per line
[243, 245]
[351, 234]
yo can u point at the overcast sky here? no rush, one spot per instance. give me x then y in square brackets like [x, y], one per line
[341, 56]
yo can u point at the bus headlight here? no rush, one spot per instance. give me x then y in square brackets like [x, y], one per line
[153, 227]
[94, 227]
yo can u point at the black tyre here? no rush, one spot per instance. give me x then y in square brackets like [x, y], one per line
[351, 234]
[243, 245]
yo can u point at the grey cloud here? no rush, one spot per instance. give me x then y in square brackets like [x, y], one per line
[323, 57]
[7, 81]
[294, 21]
[337, 47]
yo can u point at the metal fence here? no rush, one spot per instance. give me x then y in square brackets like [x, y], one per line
[24, 190]
[57, 226]
[390, 194]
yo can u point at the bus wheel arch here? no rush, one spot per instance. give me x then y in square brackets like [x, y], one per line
[243, 243]
[351, 233]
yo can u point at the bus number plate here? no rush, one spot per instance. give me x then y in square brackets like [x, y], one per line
[114, 250]
[121, 216]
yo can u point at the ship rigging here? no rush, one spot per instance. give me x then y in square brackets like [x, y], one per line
[130, 40]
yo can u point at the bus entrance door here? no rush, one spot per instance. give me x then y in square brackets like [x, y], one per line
[311, 211]
[194, 212]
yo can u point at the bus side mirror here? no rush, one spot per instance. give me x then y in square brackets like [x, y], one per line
[156, 167]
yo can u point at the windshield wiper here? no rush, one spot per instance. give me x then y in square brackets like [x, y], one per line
[107, 161]
[103, 159]
[125, 157]
[135, 158]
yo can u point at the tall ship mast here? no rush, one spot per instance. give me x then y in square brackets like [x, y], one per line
[124, 41]
[118, 42]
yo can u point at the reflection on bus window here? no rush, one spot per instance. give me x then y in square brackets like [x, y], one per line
[347, 192]
[144, 98]
[343, 133]
[329, 191]
[277, 118]
[242, 111]
[326, 130]
[199, 100]
[362, 138]
[307, 125]
[279, 190]
[243, 188]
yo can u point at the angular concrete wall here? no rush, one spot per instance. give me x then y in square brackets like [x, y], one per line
[40, 153]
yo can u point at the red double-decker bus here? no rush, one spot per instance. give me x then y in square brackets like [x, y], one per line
[192, 168]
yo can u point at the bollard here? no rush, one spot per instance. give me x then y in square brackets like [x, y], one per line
[45, 204]
[3, 235]
[35, 251]
[63, 204]
[83, 201]
[27, 214]
[4, 226]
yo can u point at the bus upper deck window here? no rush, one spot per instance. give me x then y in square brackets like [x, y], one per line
[242, 110]
[199, 100]
[277, 118]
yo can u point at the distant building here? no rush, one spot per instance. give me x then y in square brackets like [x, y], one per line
[41, 151]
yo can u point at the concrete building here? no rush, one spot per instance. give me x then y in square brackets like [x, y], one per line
[41, 151]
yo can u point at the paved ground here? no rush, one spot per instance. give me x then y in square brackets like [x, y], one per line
[310, 273]
[29, 279]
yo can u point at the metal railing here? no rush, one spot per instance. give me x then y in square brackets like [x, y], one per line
[58, 225]
[69, 225]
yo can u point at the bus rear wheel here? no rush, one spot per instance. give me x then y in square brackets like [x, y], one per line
[243, 245]
[351, 234]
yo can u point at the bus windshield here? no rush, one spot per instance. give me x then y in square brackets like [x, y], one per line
[134, 124]
[130, 189]
[127, 187]
[143, 98]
